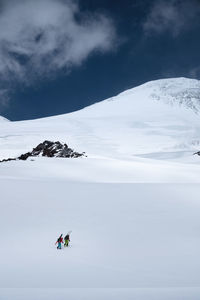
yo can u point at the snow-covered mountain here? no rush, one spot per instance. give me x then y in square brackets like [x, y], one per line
[175, 91]
[156, 119]
[132, 204]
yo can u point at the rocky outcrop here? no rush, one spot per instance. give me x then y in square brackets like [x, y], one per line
[197, 153]
[49, 149]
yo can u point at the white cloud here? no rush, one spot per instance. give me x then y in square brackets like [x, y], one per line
[40, 37]
[173, 16]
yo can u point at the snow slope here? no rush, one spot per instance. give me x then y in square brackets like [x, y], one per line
[132, 204]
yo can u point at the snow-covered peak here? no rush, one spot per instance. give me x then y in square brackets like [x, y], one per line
[177, 91]
[168, 85]
[151, 98]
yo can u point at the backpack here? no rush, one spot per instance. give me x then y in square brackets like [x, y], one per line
[59, 240]
[67, 237]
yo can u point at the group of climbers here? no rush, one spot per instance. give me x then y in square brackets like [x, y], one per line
[60, 241]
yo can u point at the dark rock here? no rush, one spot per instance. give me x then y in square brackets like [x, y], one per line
[24, 156]
[197, 153]
[49, 149]
[8, 159]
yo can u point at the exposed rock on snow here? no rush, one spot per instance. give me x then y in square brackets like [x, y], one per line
[197, 153]
[52, 149]
[49, 149]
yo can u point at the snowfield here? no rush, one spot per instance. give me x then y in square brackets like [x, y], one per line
[132, 204]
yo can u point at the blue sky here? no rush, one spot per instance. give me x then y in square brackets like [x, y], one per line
[57, 56]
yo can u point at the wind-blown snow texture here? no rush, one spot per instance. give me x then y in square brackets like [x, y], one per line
[132, 204]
